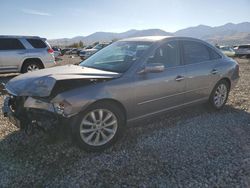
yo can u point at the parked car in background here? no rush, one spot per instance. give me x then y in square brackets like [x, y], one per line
[228, 51]
[57, 52]
[63, 51]
[25, 54]
[72, 51]
[86, 53]
[242, 50]
[79, 50]
[129, 80]
[88, 47]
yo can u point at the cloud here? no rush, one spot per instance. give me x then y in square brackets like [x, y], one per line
[35, 12]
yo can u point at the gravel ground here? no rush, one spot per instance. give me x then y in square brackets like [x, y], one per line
[193, 147]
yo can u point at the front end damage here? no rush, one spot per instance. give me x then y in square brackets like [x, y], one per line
[35, 100]
[28, 114]
[43, 113]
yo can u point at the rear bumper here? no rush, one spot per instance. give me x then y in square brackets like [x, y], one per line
[242, 54]
[49, 64]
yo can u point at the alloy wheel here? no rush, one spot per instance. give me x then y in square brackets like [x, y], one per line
[220, 95]
[32, 67]
[98, 127]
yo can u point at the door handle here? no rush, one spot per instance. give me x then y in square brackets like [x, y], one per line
[179, 78]
[214, 71]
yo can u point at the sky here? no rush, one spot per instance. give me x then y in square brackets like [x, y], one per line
[66, 19]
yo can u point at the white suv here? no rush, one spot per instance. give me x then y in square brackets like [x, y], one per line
[24, 54]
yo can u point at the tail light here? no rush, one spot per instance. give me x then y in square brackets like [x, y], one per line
[50, 51]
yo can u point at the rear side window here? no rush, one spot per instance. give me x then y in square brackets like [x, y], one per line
[213, 54]
[37, 43]
[10, 44]
[195, 52]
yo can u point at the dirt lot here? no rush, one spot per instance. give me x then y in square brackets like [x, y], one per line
[194, 147]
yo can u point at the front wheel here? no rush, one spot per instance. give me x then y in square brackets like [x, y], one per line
[219, 95]
[98, 127]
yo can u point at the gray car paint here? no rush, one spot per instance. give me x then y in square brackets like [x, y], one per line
[141, 95]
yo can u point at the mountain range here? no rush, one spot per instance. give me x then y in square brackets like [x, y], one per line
[228, 34]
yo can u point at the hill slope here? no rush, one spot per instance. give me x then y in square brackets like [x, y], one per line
[109, 36]
[226, 34]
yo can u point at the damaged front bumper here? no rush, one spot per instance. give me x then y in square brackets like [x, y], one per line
[28, 113]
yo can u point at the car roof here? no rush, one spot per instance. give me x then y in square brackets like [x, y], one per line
[158, 38]
[21, 36]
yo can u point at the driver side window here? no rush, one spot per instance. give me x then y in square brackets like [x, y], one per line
[168, 55]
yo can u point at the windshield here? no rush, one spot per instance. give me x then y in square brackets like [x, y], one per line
[117, 57]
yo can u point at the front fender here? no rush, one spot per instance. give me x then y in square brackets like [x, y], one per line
[81, 98]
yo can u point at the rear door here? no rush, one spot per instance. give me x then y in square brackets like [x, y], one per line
[163, 90]
[12, 52]
[203, 66]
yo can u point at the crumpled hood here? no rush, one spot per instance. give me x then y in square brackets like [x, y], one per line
[40, 83]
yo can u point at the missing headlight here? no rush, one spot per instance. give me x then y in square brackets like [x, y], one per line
[60, 107]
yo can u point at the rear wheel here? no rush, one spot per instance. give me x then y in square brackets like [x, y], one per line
[31, 66]
[98, 127]
[219, 95]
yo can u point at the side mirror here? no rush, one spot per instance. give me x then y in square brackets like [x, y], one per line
[152, 68]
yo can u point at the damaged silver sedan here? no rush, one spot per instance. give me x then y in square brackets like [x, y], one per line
[124, 82]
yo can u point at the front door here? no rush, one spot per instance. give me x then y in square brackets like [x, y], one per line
[157, 92]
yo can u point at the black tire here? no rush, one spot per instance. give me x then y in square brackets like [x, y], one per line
[27, 64]
[212, 102]
[76, 126]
